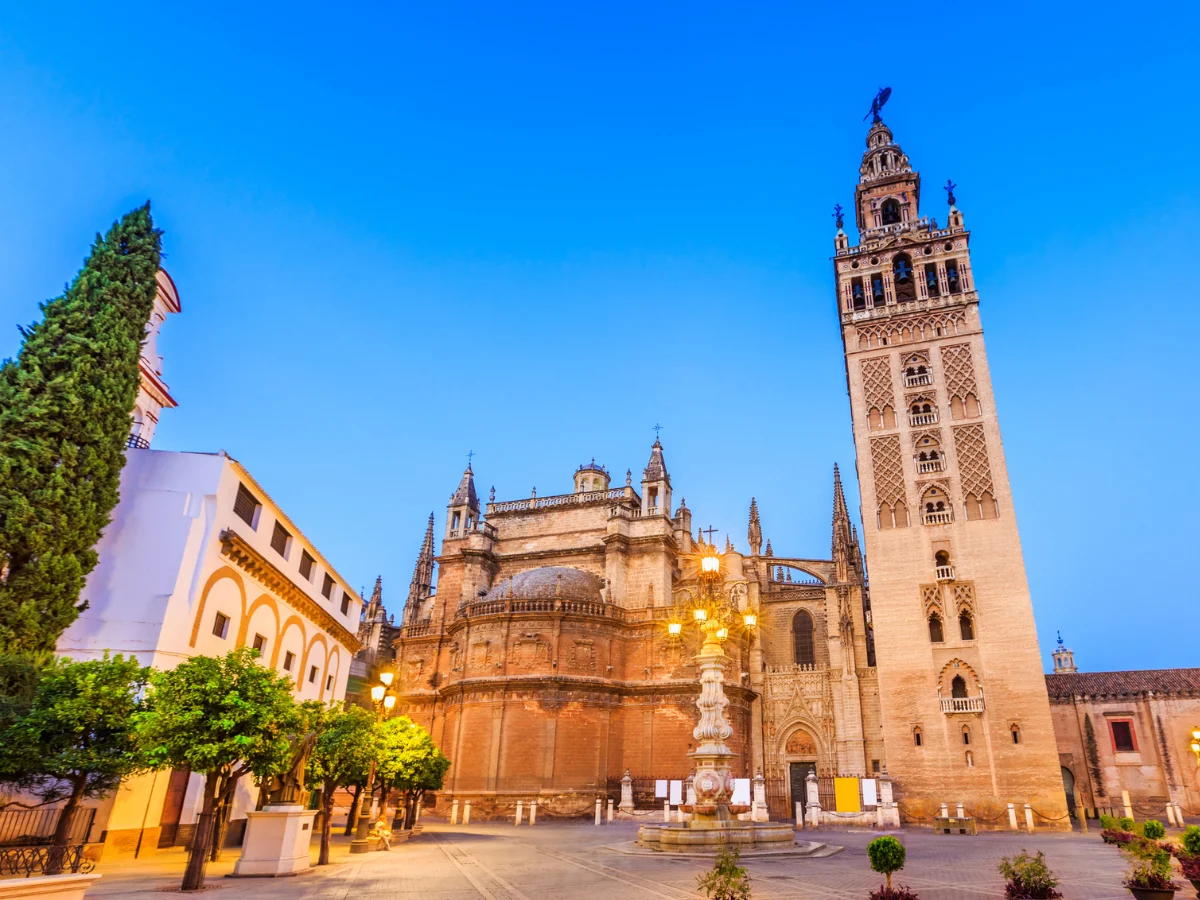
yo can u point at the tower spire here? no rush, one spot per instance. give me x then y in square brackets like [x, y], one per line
[754, 532]
[421, 585]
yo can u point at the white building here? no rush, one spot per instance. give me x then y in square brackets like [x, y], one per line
[153, 396]
[199, 560]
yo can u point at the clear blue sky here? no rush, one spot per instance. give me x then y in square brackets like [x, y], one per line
[407, 231]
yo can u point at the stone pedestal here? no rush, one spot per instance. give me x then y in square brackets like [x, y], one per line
[626, 805]
[276, 841]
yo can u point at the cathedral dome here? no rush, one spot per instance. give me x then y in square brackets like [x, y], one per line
[548, 583]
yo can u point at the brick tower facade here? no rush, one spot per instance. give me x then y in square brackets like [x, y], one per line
[965, 714]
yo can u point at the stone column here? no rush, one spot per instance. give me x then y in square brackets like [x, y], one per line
[610, 810]
[814, 801]
[627, 793]
[454, 813]
[758, 812]
[597, 810]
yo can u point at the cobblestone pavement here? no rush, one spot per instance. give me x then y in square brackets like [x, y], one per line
[501, 862]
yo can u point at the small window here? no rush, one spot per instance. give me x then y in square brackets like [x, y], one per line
[329, 682]
[327, 586]
[875, 766]
[246, 506]
[936, 635]
[345, 602]
[917, 737]
[890, 212]
[1122, 736]
[857, 294]
[221, 625]
[306, 565]
[966, 735]
[260, 644]
[280, 539]
[312, 674]
[1016, 734]
[289, 659]
[966, 627]
[970, 760]
[953, 282]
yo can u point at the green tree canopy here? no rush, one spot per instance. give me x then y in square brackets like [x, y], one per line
[222, 717]
[349, 739]
[410, 762]
[77, 740]
[65, 409]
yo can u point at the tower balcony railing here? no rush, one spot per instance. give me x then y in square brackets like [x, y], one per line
[557, 500]
[919, 380]
[951, 705]
[944, 573]
[479, 527]
[941, 517]
[417, 629]
[507, 605]
[136, 442]
[924, 418]
[925, 466]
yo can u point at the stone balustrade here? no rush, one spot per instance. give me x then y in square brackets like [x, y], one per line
[558, 500]
[925, 418]
[962, 704]
[945, 517]
[925, 466]
[919, 380]
[508, 606]
[417, 629]
[945, 573]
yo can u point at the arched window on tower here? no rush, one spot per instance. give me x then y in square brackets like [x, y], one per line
[802, 639]
[958, 688]
[931, 280]
[890, 212]
[936, 634]
[953, 281]
[878, 298]
[903, 278]
[858, 294]
[966, 628]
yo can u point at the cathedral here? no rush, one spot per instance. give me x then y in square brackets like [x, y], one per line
[549, 659]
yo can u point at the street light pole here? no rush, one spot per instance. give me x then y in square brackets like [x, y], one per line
[383, 700]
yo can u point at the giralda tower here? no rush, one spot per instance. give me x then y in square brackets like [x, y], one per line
[965, 712]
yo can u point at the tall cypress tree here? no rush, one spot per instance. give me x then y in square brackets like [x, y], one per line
[65, 408]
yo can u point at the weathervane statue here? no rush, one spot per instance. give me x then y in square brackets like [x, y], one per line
[877, 104]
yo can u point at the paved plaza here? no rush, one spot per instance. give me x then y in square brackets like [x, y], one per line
[501, 862]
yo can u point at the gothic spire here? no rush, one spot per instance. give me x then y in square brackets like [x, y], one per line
[843, 538]
[421, 585]
[656, 469]
[755, 530]
[465, 494]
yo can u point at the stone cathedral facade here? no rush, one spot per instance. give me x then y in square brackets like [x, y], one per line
[542, 664]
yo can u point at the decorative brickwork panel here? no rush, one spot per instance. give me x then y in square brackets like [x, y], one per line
[964, 597]
[877, 383]
[973, 467]
[904, 331]
[931, 599]
[889, 471]
[959, 371]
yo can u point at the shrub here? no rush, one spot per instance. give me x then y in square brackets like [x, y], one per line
[1125, 823]
[1149, 867]
[896, 893]
[1120, 838]
[1153, 829]
[1028, 877]
[887, 856]
[1191, 840]
[1107, 822]
[1191, 868]
[726, 880]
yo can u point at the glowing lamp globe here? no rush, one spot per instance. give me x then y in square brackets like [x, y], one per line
[389, 701]
[386, 676]
[699, 615]
[377, 692]
[749, 620]
[674, 628]
[710, 563]
[722, 633]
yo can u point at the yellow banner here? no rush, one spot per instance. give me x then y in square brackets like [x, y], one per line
[845, 795]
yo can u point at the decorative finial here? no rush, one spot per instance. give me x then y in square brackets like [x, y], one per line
[657, 429]
[1060, 639]
[877, 104]
[628, 477]
[949, 189]
[492, 495]
[837, 215]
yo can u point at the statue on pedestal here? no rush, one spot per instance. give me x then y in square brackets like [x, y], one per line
[287, 788]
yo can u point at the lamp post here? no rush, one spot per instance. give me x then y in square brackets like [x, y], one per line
[1196, 743]
[383, 701]
[713, 612]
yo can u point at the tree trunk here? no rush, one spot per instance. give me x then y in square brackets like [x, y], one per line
[326, 821]
[62, 830]
[353, 815]
[193, 875]
[220, 821]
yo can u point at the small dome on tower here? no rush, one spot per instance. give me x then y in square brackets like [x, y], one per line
[592, 477]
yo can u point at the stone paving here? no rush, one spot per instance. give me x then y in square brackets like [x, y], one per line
[551, 860]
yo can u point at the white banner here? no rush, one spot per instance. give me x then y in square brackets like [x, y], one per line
[660, 790]
[868, 789]
[741, 792]
[676, 793]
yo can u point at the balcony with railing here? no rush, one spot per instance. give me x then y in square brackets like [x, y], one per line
[478, 526]
[506, 606]
[925, 466]
[920, 379]
[951, 705]
[916, 419]
[553, 501]
[417, 629]
[940, 517]
[136, 442]
[944, 573]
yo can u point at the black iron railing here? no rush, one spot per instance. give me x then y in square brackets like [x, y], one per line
[27, 861]
[36, 826]
[137, 442]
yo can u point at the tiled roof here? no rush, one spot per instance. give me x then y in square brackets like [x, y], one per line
[1099, 684]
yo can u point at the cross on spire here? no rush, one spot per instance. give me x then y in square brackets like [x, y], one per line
[709, 531]
[657, 429]
[470, 456]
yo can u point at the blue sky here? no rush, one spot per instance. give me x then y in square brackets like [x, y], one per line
[405, 231]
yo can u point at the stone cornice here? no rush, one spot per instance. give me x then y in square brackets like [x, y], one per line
[235, 548]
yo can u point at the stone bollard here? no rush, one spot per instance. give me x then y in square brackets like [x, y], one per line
[813, 795]
[799, 814]
[959, 809]
[1178, 814]
[1125, 802]
[1081, 813]
[666, 810]
[610, 810]
[532, 813]
[626, 793]
[597, 810]
[892, 811]
[454, 813]
[1029, 817]
[467, 813]
[945, 811]
[1170, 816]
[519, 811]
[1012, 817]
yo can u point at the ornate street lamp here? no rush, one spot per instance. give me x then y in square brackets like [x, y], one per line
[1196, 743]
[383, 701]
[714, 612]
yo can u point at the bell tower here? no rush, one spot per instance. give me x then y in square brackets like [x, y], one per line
[965, 711]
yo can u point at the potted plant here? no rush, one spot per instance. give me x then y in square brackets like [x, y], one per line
[1149, 875]
[1028, 877]
[1191, 871]
[887, 855]
[726, 880]
[1189, 856]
